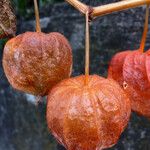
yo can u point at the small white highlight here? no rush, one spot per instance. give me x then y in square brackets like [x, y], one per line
[31, 98]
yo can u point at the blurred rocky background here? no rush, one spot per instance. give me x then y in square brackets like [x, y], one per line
[22, 122]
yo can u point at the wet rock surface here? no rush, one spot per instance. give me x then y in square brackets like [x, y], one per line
[22, 123]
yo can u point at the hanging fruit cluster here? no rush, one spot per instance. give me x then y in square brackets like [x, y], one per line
[87, 112]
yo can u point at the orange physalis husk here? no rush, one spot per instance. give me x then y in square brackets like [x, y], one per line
[88, 116]
[34, 61]
[133, 67]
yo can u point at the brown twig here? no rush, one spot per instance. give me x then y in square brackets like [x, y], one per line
[142, 45]
[108, 8]
[78, 5]
[118, 6]
[38, 27]
[87, 48]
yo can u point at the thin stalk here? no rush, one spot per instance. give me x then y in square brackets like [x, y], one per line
[143, 40]
[78, 5]
[87, 48]
[108, 8]
[38, 27]
[117, 6]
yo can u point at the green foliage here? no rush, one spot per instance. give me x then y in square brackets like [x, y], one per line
[2, 43]
[44, 2]
[20, 5]
[25, 7]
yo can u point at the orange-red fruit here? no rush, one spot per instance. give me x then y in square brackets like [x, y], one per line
[87, 117]
[133, 67]
[34, 62]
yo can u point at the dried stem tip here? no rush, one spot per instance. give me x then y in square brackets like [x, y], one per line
[142, 46]
[38, 27]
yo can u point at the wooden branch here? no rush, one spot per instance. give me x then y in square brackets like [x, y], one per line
[118, 6]
[142, 45]
[108, 8]
[78, 5]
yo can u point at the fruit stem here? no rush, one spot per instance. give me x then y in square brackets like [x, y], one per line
[108, 8]
[38, 27]
[78, 5]
[117, 6]
[143, 40]
[87, 48]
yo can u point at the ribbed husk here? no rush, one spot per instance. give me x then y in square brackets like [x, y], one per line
[7, 19]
